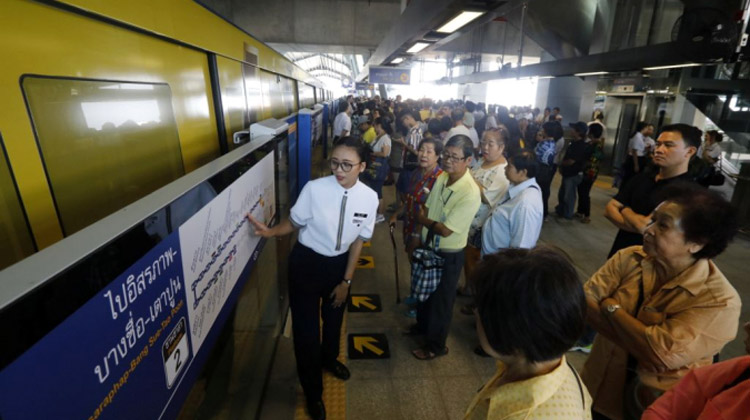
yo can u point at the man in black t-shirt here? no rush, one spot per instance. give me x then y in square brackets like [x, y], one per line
[571, 169]
[630, 210]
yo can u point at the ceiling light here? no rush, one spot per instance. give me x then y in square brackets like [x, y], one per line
[419, 46]
[593, 73]
[458, 22]
[673, 66]
[397, 60]
[546, 77]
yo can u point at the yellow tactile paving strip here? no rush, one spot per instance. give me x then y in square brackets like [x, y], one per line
[334, 390]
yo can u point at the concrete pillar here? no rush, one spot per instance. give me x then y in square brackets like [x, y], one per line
[563, 92]
[588, 94]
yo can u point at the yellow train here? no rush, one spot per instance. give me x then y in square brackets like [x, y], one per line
[103, 102]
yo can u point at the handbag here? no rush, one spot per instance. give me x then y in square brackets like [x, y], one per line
[426, 267]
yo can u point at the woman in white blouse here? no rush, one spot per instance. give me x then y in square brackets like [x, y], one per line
[489, 174]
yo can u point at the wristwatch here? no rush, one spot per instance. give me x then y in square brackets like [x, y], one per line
[612, 308]
[348, 281]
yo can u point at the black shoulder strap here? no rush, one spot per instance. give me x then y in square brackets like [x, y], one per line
[580, 386]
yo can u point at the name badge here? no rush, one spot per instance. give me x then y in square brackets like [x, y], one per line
[362, 215]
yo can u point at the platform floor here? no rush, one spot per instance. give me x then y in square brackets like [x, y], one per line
[402, 387]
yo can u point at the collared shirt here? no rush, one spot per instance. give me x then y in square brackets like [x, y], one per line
[342, 123]
[494, 186]
[688, 320]
[454, 206]
[517, 221]
[413, 138]
[459, 129]
[331, 217]
[558, 394]
[637, 143]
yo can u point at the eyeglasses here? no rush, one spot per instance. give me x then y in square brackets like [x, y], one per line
[452, 158]
[345, 166]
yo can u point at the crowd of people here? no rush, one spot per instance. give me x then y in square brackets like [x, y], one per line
[472, 185]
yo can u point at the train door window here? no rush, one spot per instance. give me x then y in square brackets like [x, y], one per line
[104, 144]
[16, 241]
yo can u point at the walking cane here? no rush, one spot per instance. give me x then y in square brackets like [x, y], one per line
[395, 258]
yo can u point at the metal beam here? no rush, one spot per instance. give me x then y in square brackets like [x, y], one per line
[328, 69]
[616, 61]
[420, 17]
[326, 56]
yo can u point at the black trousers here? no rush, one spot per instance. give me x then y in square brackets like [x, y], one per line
[584, 196]
[312, 278]
[544, 176]
[434, 315]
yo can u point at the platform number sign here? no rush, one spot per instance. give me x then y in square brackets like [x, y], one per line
[175, 352]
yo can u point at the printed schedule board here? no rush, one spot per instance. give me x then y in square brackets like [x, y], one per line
[126, 353]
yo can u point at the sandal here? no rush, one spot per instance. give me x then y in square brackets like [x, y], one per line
[424, 354]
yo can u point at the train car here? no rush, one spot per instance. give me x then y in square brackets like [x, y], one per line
[105, 102]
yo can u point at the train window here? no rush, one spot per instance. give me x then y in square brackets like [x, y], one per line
[104, 144]
[16, 241]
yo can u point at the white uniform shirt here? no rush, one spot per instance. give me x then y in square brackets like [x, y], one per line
[342, 123]
[331, 217]
[474, 137]
[380, 143]
[637, 143]
[460, 129]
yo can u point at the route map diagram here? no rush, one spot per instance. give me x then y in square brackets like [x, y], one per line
[217, 243]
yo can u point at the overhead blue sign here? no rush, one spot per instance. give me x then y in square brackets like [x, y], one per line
[364, 86]
[390, 75]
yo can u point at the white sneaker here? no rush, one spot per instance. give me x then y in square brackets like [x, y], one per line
[380, 218]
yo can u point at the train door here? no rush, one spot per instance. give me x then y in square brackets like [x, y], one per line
[621, 115]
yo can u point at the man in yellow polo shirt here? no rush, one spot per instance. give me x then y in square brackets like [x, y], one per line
[450, 208]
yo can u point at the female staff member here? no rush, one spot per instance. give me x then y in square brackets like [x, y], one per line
[663, 308]
[334, 216]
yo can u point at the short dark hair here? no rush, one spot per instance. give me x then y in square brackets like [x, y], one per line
[718, 137]
[406, 113]
[557, 108]
[434, 127]
[525, 160]
[446, 124]
[359, 146]
[437, 144]
[385, 124]
[707, 217]
[530, 302]
[470, 106]
[595, 130]
[553, 129]
[457, 115]
[690, 135]
[343, 106]
[463, 142]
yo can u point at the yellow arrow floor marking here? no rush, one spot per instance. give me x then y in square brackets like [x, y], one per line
[360, 343]
[364, 301]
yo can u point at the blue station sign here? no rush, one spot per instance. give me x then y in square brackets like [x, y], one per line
[390, 75]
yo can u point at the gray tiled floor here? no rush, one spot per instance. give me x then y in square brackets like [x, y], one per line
[404, 388]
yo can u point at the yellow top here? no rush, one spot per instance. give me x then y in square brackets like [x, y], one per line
[455, 207]
[369, 135]
[555, 395]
